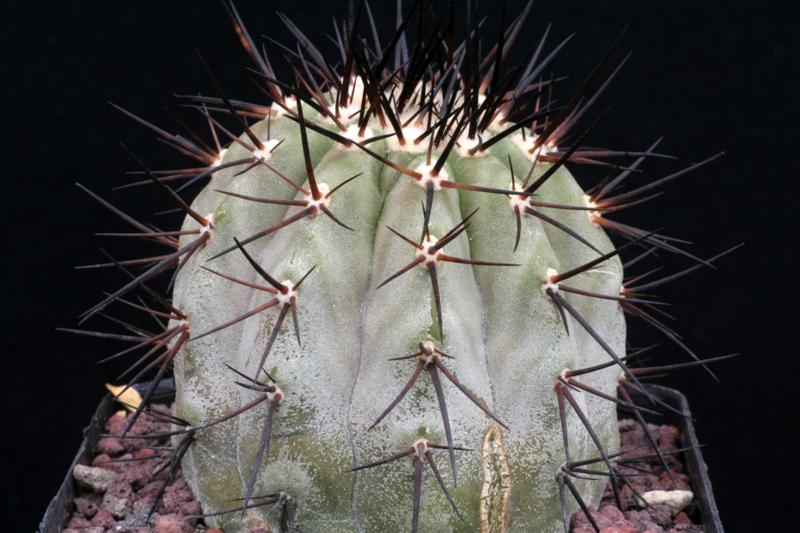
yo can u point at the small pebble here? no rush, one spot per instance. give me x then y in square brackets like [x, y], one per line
[103, 461]
[110, 446]
[171, 523]
[116, 424]
[94, 478]
[667, 491]
[677, 500]
[103, 518]
[87, 505]
[78, 522]
[118, 500]
[191, 508]
[116, 495]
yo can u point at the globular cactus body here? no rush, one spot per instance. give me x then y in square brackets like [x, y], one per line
[394, 308]
[505, 336]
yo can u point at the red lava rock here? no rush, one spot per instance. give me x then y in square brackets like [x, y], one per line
[116, 424]
[103, 518]
[142, 426]
[143, 505]
[78, 522]
[191, 508]
[668, 438]
[172, 523]
[136, 473]
[648, 474]
[87, 506]
[110, 445]
[609, 519]
[119, 500]
[215, 530]
[133, 484]
[643, 521]
[145, 453]
[624, 528]
[122, 462]
[103, 461]
[151, 489]
[662, 515]
[611, 514]
[176, 494]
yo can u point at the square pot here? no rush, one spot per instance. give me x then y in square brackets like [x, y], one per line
[60, 508]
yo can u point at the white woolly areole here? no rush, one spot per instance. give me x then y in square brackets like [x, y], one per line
[594, 213]
[548, 281]
[346, 113]
[353, 133]
[355, 94]
[498, 123]
[322, 202]
[182, 323]
[525, 144]
[208, 228]
[427, 346]
[429, 354]
[285, 298]
[410, 133]
[464, 146]
[277, 394]
[428, 178]
[278, 111]
[263, 154]
[517, 200]
[425, 251]
[220, 156]
[421, 446]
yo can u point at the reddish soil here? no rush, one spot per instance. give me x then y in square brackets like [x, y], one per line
[644, 476]
[117, 491]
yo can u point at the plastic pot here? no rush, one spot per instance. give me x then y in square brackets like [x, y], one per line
[58, 512]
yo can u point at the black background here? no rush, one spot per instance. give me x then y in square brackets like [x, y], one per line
[711, 76]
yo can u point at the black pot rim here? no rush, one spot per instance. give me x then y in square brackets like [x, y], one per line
[59, 510]
[696, 467]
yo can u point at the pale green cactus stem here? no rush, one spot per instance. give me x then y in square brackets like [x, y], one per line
[506, 341]
[388, 288]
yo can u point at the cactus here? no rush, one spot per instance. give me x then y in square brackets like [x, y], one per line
[393, 307]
